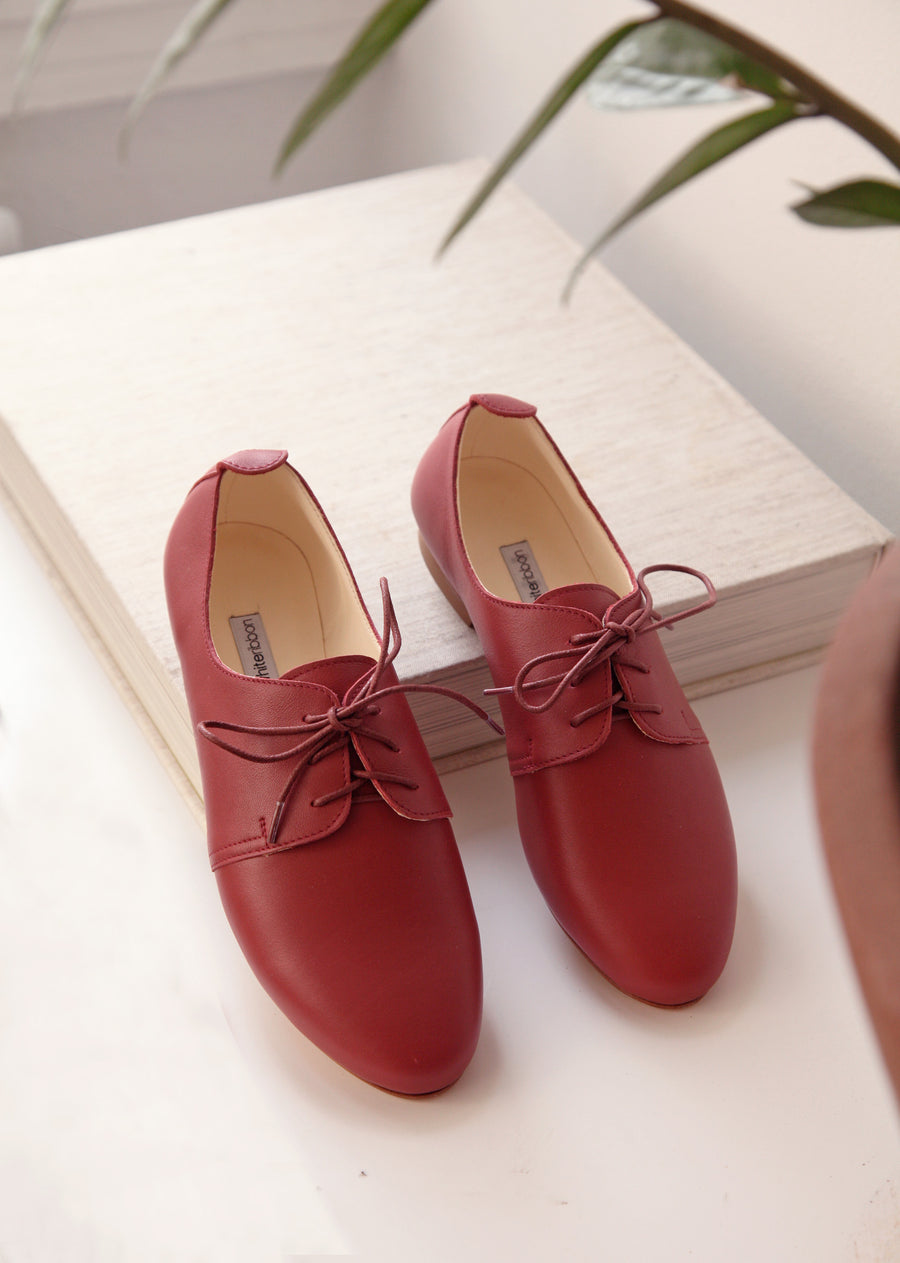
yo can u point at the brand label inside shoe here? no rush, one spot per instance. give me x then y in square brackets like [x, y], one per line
[253, 646]
[525, 572]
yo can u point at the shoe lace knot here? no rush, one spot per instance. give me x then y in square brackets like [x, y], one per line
[621, 624]
[323, 734]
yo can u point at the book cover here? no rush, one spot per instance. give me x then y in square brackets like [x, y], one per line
[129, 364]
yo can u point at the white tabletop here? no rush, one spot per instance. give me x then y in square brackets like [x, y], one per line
[155, 1105]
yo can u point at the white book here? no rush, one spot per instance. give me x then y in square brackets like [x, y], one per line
[130, 364]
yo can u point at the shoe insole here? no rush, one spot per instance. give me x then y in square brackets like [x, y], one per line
[265, 602]
[523, 538]
[281, 593]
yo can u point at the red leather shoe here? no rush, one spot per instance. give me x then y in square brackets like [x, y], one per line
[327, 826]
[620, 807]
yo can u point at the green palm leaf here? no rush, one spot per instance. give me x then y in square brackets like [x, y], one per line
[858, 204]
[190, 30]
[378, 35]
[668, 63]
[704, 154]
[561, 94]
[46, 18]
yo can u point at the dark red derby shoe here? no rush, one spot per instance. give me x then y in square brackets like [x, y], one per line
[620, 806]
[328, 830]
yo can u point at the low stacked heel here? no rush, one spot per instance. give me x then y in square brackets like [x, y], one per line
[444, 583]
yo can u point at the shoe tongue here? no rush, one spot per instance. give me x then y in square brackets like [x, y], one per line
[594, 598]
[336, 674]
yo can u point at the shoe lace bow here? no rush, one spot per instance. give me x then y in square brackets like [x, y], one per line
[323, 734]
[590, 649]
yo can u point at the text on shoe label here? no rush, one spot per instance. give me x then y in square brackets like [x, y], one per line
[253, 646]
[524, 570]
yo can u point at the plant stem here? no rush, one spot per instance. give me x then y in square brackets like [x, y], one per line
[823, 97]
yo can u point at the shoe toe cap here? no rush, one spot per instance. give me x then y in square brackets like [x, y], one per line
[634, 852]
[367, 941]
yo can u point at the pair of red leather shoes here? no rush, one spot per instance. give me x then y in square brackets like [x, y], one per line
[328, 830]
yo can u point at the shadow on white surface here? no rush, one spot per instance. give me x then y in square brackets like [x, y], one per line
[740, 980]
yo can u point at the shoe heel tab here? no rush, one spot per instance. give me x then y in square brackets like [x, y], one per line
[504, 405]
[254, 461]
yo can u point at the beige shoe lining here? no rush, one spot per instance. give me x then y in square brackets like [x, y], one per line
[276, 557]
[513, 487]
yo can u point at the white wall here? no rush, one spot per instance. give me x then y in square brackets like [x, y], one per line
[194, 151]
[803, 321]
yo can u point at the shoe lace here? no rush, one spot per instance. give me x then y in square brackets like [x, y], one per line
[590, 649]
[324, 733]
